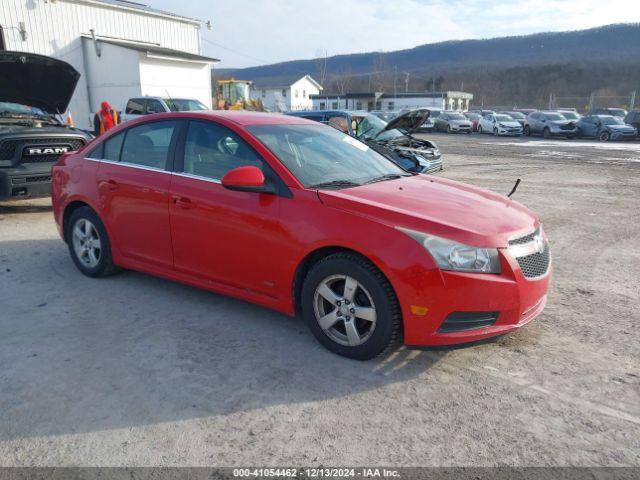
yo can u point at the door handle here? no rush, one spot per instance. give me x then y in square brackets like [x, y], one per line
[112, 185]
[183, 202]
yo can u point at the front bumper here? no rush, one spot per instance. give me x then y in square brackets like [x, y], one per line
[623, 136]
[461, 128]
[439, 294]
[564, 133]
[25, 181]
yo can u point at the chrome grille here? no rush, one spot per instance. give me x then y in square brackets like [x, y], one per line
[536, 264]
[526, 238]
[532, 254]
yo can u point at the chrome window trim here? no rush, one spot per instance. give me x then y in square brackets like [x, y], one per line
[127, 164]
[151, 169]
[197, 177]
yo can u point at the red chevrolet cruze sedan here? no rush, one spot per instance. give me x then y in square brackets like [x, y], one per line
[298, 217]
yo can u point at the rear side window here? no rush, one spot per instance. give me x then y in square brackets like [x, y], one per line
[212, 150]
[135, 106]
[148, 145]
[112, 148]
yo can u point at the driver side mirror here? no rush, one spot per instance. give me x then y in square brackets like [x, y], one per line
[246, 179]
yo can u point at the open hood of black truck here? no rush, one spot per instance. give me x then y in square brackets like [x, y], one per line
[37, 81]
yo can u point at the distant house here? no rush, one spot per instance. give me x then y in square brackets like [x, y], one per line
[285, 95]
[450, 100]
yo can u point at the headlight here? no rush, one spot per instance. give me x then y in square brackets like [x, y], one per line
[503, 126]
[450, 255]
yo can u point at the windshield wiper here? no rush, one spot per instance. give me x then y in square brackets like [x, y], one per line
[388, 176]
[335, 183]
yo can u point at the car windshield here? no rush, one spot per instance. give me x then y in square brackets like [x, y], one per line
[17, 109]
[322, 157]
[554, 116]
[517, 115]
[371, 127]
[184, 105]
[570, 115]
[504, 118]
[608, 120]
[456, 116]
[618, 112]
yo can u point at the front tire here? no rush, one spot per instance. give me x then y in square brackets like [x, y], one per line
[89, 244]
[604, 137]
[546, 133]
[495, 132]
[479, 128]
[350, 307]
[448, 128]
[527, 130]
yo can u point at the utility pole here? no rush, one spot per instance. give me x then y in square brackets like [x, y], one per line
[632, 102]
[406, 82]
[395, 79]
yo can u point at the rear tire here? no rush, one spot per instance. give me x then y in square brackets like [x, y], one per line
[350, 307]
[89, 244]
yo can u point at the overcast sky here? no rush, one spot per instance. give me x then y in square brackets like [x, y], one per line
[256, 32]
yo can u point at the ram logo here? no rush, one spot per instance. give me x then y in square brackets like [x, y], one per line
[47, 150]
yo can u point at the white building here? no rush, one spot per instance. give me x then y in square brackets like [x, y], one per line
[121, 49]
[393, 102]
[293, 95]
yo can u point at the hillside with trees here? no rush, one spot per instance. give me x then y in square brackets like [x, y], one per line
[523, 70]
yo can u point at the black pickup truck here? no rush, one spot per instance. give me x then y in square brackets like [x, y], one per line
[33, 90]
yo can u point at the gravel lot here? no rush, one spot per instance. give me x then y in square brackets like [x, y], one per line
[134, 370]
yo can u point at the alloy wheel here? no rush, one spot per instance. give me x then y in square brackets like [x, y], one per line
[86, 243]
[344, 310]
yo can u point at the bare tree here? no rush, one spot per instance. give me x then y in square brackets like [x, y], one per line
[321, 66]
[342, 81]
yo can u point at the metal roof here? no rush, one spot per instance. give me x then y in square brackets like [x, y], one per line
[155, 50]
[126, 4]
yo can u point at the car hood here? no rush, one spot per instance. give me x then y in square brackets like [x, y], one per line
[442, 207]
[37, 81]
[564, 122]
[408, 122]
[511, 124]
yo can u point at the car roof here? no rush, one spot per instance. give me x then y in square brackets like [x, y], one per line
[239, 117]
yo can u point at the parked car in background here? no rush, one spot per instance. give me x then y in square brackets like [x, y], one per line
[430, 123]
[33, 90]
[474, 118]
[633, 119]
[615, 112]
[482, 112]
[302, 219]
[393, 139]
[550, 124]
[569, 114]
[517, 116]
[499, 124]
[605, 128]
[453, 122]
[138, 106]
[383, 115]
[525, 111]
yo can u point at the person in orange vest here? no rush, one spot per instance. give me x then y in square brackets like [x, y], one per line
[105, 119]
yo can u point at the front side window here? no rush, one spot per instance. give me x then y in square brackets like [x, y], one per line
[212, 150]
[147, 145]
[319, 156]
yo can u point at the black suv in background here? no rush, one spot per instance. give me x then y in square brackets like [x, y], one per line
[33, 89]
[633, 118]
